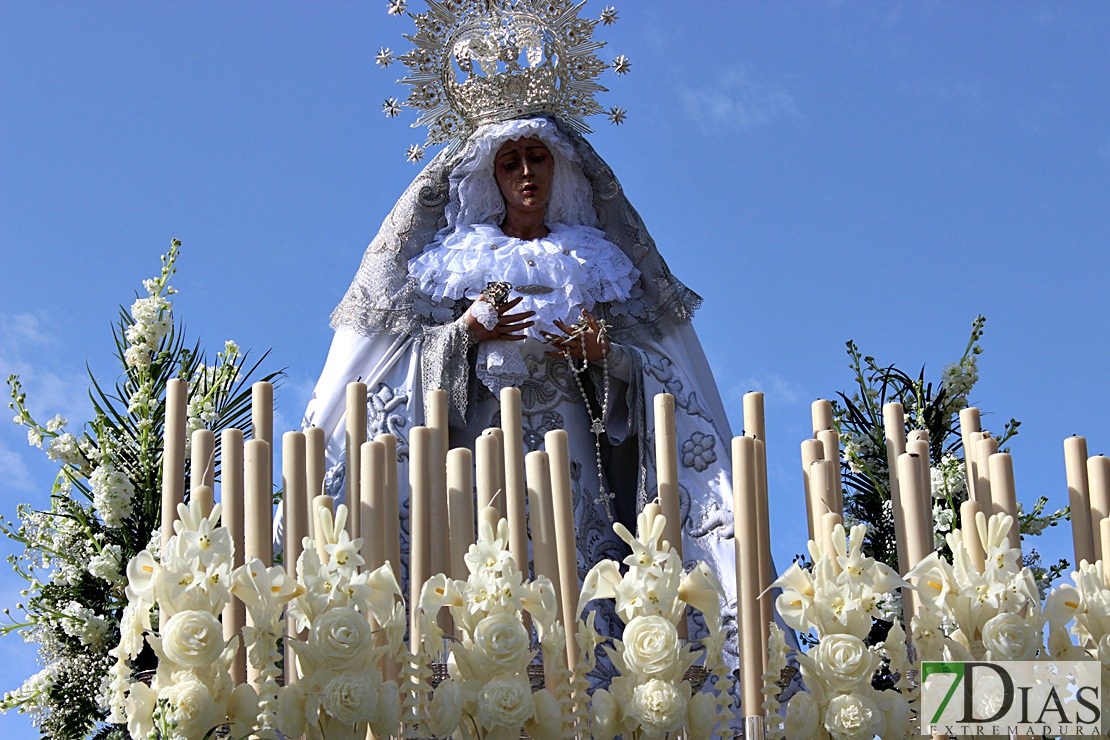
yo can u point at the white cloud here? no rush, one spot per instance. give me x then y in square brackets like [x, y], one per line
[738, 101]
[16, 476]
[53, 379]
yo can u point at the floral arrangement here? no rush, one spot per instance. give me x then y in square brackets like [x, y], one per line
[653, 696]
[341, 690]
[865, 472]
[837, 603]
[970, 612]
[104, 506]
[489, 693]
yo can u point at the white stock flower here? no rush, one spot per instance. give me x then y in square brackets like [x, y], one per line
[650, 645]
[340, 637]
[106, 565]
[34, 437]
[853, 717]
[1011, 637]
[844, 662]
[505, 701]
[58, 422]
[801, 716]
[193, 638]
[658, 706]
[63, 449]
[112, 495]
[502, 640]
[84, 624]
[352, 697]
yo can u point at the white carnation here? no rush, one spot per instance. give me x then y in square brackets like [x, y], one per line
[659, 706]
[352, 697]
[854, 717]
[505, 702]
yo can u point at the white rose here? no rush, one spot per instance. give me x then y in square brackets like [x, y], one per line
[853, 717]
[340, 637]
[844, 662]
[191, 707]
[801, 716]
[1009, 637]
[658, 706]
[502, 640]
[506, 702]
[193, 638]
[352, 697]
[650, 645]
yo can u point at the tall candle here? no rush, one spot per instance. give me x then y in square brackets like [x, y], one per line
[830, 443]
[258, 502]
[355, 435]
[970, 425]
[436, 401]
[544, 548]
[491, 515]
[984, 448]
[499, 501]
[917, 520]
[487, 455]
[262, 420]
[920, 447]
[231, 497]
[822, 414]
[513, 482]
[969, 533]
[1003, 493]
[752, 658]
[820, 487]
[391, 516]
[894, 430]
[666, 470]
[1079, 499]
[763, 530]
[1104, 532]
[202, 495]
[566, 545]
[1098, 481]
[294, 486]
[812, 451]
[460, 509]
[420, 523]
[173, 455]
[371, 499]
[202, 459]
[315, 460]
[754, 423]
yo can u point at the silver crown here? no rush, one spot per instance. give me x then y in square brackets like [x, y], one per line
[481, 61]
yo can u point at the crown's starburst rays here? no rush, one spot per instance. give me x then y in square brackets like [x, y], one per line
[479, 61]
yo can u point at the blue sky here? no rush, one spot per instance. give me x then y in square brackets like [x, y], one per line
[817, 171]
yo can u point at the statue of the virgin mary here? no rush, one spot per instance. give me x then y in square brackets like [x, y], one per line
[515, 259]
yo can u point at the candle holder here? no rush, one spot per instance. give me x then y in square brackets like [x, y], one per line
[754, 729]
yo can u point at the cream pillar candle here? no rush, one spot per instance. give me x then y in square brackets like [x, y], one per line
[970, 425]
[812, 451]
[1079, 499]
[391, 514]
[1098, 481]
[491, 515]
[323, 501]
[920, 447]
[917, 520]
[355, 435]
[752, 658]
[1104, 532]
[436, 413]
[460, 509]
[830, 444]
[763, 528]
[513, 481]
[822, 413]
[754, 423]
[488, 470]
[420, 518]
[202, 495]
[173, 455]
[917, 435]
[499, 501]
[894, 430]
[371, 497]
[666, 469]
[231, 497]
[258, 504]
[202, 459]
[819, 484]
[566, 544]
[542, 517]
[315, 460]
[262, 420]
[294, 486]
[984, 448]
[969, 533]
[1003, 492]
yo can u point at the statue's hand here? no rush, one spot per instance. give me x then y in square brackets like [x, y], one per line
[590, 344]
[509, 326]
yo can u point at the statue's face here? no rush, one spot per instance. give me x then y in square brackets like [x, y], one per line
[523, 169]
